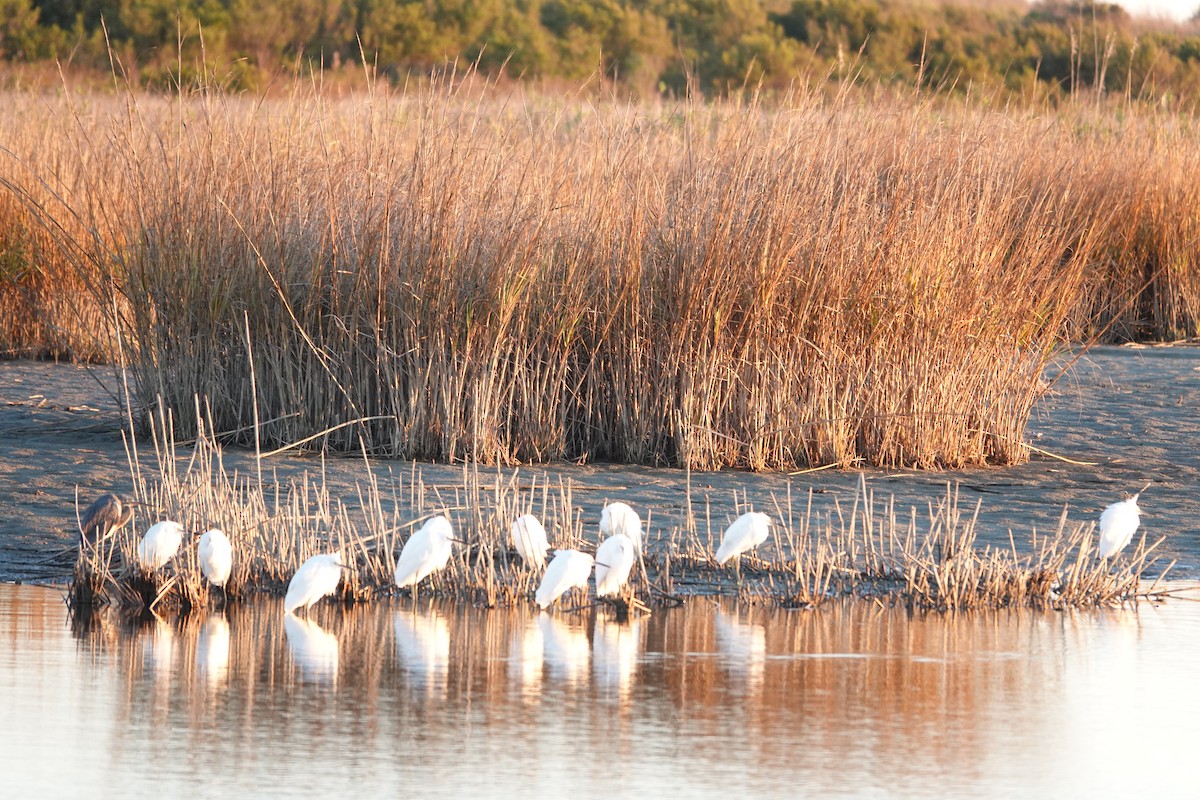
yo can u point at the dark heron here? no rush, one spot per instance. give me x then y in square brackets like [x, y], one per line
[104, 517]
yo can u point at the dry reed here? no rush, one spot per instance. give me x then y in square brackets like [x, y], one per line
[458, 273]
[869, 549]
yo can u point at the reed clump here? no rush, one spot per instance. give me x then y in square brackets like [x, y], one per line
[459, 272]
[867, 550]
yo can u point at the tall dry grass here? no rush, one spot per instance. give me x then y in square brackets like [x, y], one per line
[456, 272]
[54, 303]
[863, 548]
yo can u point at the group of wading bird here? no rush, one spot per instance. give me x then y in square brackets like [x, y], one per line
[428, 550]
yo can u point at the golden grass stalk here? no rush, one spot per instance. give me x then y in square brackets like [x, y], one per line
[867, 549]
[463, 274]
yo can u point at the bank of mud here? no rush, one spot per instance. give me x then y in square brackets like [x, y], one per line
[1124, 417]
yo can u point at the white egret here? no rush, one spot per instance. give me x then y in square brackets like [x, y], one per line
[614, 561]
[425, 552]
[160, 544]
[745, 533]
[104, 517]
[620, 518]
[569, 569]
[529, 538]
[317, 577]
[216, 557]
[1118, 524]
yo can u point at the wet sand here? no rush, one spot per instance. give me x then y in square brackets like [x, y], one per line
[1132, 412]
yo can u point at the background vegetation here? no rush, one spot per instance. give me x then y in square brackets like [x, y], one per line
[825, 266]
[461, 271]
[646, 46]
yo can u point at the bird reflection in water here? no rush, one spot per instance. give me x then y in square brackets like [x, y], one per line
[743, 647]
[212, 649]
[525, 652]
[156, 640]
[156, 653]
[615, 649]
[423, 647]
[314, 649]
[565, 649]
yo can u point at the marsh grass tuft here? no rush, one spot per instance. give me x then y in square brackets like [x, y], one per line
[865, 549]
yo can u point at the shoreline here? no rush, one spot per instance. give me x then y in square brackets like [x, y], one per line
[1130, 411]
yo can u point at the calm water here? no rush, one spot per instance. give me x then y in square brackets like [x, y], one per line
[394, 701]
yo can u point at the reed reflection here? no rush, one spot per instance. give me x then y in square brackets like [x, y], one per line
[313, 649]
[836, 695]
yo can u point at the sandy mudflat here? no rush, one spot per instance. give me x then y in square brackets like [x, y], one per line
[1135, 412]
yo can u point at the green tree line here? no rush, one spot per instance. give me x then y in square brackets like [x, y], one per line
[646, 45]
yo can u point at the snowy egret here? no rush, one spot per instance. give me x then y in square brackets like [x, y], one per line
[1118, 524]
[614, 560]
[620, 518]
[746, 533]
[529, 538]
[425, 552]
[107, 514]
[216, 557]
[160, 544]
[317, 577]
[568, 570]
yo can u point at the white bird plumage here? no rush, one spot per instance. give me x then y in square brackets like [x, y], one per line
[614, 560]
[745, 533]
[216, 556]
[160, 544]
[529, 538]
[569, 569]
[620, 518]
[1117, 526]
[317, 577]
[425, 552]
